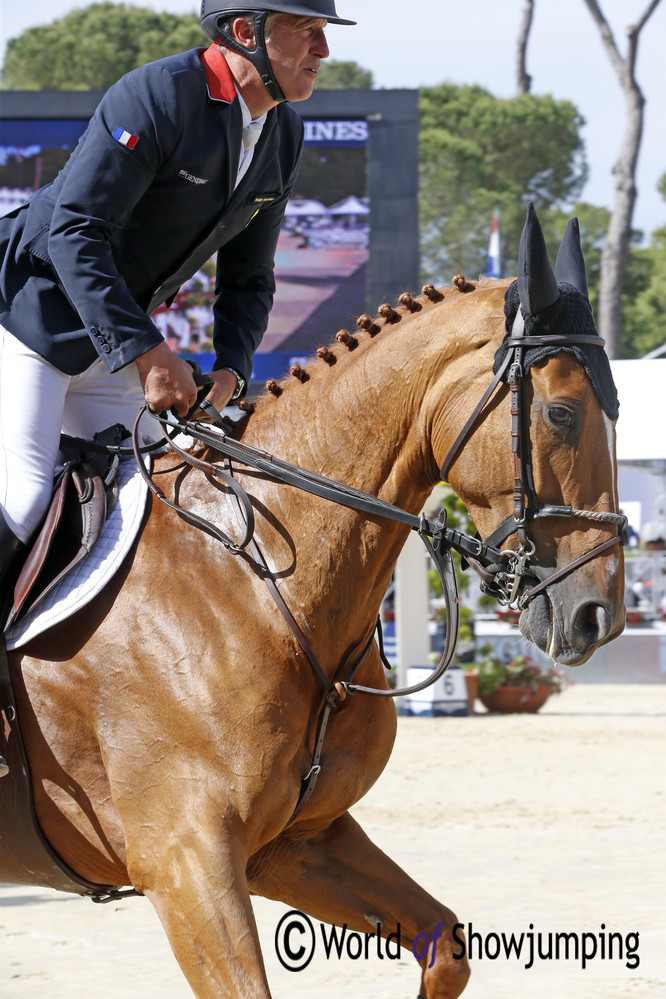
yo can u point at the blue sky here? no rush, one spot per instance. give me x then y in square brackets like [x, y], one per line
[444, 40]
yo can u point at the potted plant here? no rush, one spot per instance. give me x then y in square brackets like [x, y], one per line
[472, 680]
[517, 685]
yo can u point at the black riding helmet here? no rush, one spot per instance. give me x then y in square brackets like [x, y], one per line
[215, 12]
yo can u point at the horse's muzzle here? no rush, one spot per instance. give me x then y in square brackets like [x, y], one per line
[571, 630]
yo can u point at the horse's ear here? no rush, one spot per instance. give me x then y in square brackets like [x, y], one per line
[570, 263]
[537, 285]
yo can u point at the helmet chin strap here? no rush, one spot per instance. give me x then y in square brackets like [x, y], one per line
[258, 56]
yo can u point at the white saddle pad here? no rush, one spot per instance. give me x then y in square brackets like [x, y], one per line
[90, 576]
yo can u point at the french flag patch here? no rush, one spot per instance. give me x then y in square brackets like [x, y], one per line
[124, 137]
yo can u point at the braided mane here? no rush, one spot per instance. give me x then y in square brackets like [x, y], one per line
[367, 329]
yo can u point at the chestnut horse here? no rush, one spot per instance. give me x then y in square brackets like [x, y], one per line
[170, 724]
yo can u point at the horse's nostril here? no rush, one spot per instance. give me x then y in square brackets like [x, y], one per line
[593, 622]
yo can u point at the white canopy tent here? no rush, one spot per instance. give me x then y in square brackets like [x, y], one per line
[305, 206]
[641, 430]
[641, 440]
[350, 206]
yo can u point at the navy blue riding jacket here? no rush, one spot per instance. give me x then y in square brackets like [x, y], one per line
[145, 199]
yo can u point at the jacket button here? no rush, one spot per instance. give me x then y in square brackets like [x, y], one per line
[106, 349]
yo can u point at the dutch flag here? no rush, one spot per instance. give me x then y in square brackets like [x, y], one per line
[124, 137]
[494, 268]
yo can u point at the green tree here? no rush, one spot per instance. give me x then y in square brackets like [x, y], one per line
[92, 47]
[644, 298]
[644, 295]
[478, 152]
[339, 75]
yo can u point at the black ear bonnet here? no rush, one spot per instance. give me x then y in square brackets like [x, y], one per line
[571, 313]
[560, 307]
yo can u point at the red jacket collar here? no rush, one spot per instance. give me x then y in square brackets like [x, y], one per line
[221, 86]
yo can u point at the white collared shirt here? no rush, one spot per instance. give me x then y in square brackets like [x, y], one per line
[251, 131]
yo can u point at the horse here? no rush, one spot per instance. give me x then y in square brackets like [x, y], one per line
[170, 724]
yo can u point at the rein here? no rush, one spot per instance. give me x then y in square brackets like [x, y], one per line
[439, 549]
[502, 572]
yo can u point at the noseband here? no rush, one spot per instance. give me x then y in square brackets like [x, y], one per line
[505, 580]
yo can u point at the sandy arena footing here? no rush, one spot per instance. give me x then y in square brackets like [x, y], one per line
[522, 824]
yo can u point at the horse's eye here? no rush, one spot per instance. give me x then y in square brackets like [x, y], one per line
[560, 416]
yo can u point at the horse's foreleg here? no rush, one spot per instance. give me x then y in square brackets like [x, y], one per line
[339, 876]
[198, 887]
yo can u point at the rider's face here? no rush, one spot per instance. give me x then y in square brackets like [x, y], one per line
[296, 46]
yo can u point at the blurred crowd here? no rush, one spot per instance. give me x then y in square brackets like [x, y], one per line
[646, 570]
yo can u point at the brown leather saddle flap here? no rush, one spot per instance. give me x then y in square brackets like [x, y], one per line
[72, 527]
[84, 493]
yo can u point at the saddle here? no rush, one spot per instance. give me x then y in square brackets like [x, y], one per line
[84, 493]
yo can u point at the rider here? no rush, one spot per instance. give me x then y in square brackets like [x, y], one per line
[186, 156]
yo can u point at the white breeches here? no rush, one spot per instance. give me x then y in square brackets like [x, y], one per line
[37, 402]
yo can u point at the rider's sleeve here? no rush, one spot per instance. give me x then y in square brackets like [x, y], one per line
[108, 173]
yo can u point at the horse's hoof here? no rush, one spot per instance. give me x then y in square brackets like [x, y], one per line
[4, 769]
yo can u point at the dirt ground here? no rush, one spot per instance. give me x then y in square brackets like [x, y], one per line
[536, 824]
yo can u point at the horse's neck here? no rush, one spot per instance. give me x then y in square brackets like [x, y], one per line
[353, 421]
[361, 422]
[370, 418]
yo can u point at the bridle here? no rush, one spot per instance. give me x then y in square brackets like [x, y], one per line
[507, 583]
[503, 573]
